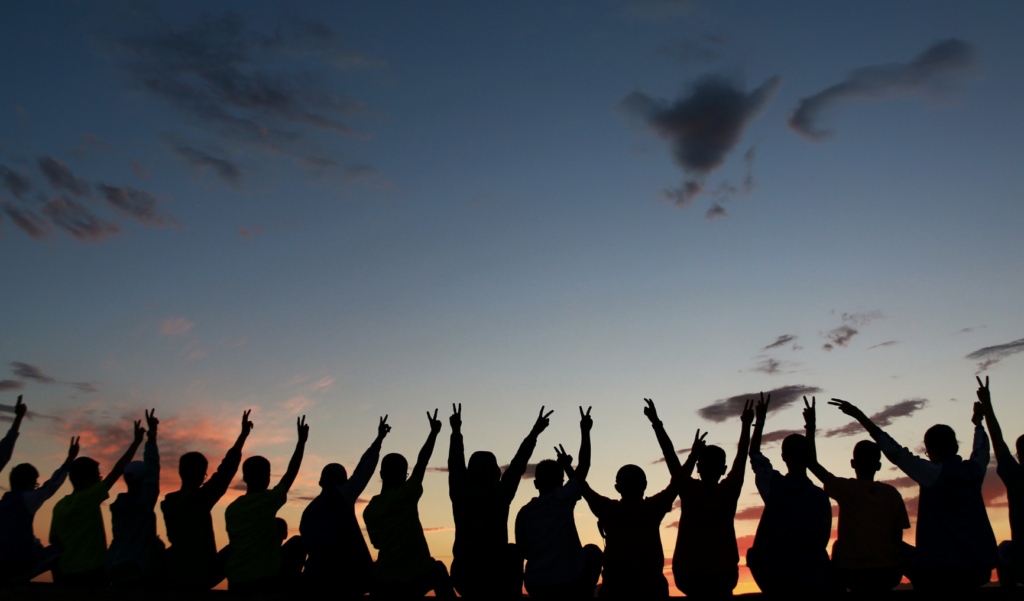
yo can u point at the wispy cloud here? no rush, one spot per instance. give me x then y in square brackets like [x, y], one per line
[885, 417]
[140, 205]
[60, 177]
[679, 452]
[138, 170]
[780, 341]
[202, 160]
[990, 355]
[842, 335]
[886, 343]
[25, 371]
[28, 221]
[78, 221]
[783, 396]
[176, 326]
[17, 184]
[6, 385]
[777, 436]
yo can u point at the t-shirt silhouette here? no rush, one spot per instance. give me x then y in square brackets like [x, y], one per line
[871, 516]
[18, 542]
[706, 542]
[547, 538]
[133, 522]
[393, 523]
[1013, 478]
[77, 527]
[253, 534]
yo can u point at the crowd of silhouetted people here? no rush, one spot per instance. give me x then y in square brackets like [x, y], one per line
[955, 550]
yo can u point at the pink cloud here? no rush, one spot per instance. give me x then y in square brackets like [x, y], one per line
[176, 326]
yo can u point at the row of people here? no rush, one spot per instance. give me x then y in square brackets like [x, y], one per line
[955, 548]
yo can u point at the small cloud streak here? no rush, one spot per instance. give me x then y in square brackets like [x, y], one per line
[886, 343]
[60, 178]
[176, 326]
[732, 407]
[6, 385]
[140, 205]
[679, 452]
[25, 371]
[885, 417]
[17, 184]
[28, 221]
[780, 341]
[77, 220]
[990, 355]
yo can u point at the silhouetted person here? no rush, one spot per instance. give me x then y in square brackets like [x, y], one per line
[7, 442]
[1011, 553]
[867, 556]
[136, 552]
[706, 558]
[258, 562]
[77, 525]
[339, 562]
[404, 567]
[557, 565]
[789, 555]
[956, 548]
[192, 561]
[485, 564]
[22, 556]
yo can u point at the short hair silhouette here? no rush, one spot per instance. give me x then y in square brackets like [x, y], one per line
[192, 467]
[483, 468]
[333, 474]
[867, 455]
[282, 529]
[711, 463]
[84, 472]
[256, 472]
[394, 468]
[631, 481]
[940, 442]
[1020, 446]
[548, 473]
[23, 477]
[794, 450]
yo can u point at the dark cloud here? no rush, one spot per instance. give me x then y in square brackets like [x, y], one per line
[901, 482]
[778, 435]
[780, 341]
[223, 167]
[750, 513]
[839, 337]
[990, 355]
[932, 71]
[702, 127]
[137, 204]
[28, 221]
[139, 171]
[85, 387]
[679, 452]
[531, 470]
[17, 184]
[769, 366]
[24, 371]
[6, 385]
[715, 211]
[732, 407]
[886, 343]
[77, 220]
[885, 417]
[29, 414]
[60, 178]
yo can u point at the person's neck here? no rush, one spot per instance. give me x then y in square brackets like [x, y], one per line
[386, 486]
[543, 492]
[255, 491]
[865, 476]
[797, 470]
[190, 486]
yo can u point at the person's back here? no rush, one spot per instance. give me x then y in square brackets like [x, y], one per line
[393, 524]
[546, 534]
[135, 553]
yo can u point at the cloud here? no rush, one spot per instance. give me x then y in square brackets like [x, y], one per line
[24, 371]
[990, 355]
[60, 178]
[702, 127]
[6, 385]
[886, 343]
[780, 341]
[176, 326]
[29, 414]
[732, 407]
[777, 435]
[531, 470]
[140, 205]
[77, 220]
[769, 366]
[679, 452]
[250, 232]
[17, 184]
[139, 171]
[202, 160]
[885, 417]
[901, 482]
[438, 529]
[750, 513]
[841, 336]
[28, 221]
[715, 211]
[932, 71]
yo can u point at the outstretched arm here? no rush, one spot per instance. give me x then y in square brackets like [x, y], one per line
[125, 459]
[514, 474]
[34, 499]
[427, 450]
[667, 450]
[980, 454]
[151, 459]
[810, 423]
[696, 449]
[456, 453]
[586, 423]
[367, 464]
[746, 418]
[247, 427]
[761, 413]
[19, 414]
[994, 431]
[296, 462]
[920, 470]
[565, 462]
[7, 443]
[218, 483]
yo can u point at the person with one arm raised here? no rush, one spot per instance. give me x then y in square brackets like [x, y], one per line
[789, 555]
[7, 442]
[77, 524]
[484, 562]
[404, 566]
[339, 562]
[557, 564]
[259, 563]
[866, 557]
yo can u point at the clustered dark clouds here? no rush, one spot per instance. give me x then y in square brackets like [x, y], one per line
[725, 409]
[703, 127]
[769, 366]
[842, 335]
[883, 418]
[990, 355]
[26, 371]
[932, 71]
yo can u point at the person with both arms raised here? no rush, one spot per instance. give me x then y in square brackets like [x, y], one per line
[339, 562]
[484, 562]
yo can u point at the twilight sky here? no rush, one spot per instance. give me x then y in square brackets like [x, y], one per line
[346, 210]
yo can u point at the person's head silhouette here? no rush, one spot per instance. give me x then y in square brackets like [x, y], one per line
[940, 443]
[549, 476]
[282, 529]
[192, 469]
[795, 452]
[867, 459]
[24, 478]
[631, 482]
[83, 473]
[133, 475]
[483, 468]
[711, 464]
[1020, 447]
[394, 471]
[256, 474]
[333, 474]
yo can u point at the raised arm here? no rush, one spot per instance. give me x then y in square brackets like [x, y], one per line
[980, 454]
[920, 470]
[34, 499]
[746, 418]
[667, 450]
[761, 414]
[151, 460]
[810, 423]
[367, 464]
[427, 450]
[7, 443]
[218, 483]
[296, 462]
[247, 427]
[456, 453]
[125, 459]
[565, 462]
[994, 431]
[514, 474]
[586, 423]
[696, 449]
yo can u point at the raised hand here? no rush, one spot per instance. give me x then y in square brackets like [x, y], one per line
[383, 429]
[586, 422]
[152, 422]
[564, 459]
[761, 410]
[809, 418]
[984, 396]
[247, 425]
[747, 417]
[303, 428]
[139, 431]
[698, 443]
[848, 408]
[542, 421]
[651, 412]
[435, 424]
[73, 449]
[456, 419]
[979, 414]
[19, 408]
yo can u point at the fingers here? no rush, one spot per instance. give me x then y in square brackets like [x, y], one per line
[21, 396]
[978, 378]
[541, 414]
[561, 448]
[549, 414]
[435, 414]
[581, 412]
[705, 435]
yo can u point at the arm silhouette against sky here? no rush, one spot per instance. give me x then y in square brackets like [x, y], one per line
[994, 431]
[125, 459]
[151, 459]
[667, 449]
[761, 414]
[456, 453]
[219, 482]
[427, 450]
[514, 474]
[586, 423]
[565, 462]
[367, 465]
[696, 449]
[746, 418]
[7, 444]
[810, 424]
[296, 462]
[762, 467]
[34, 499]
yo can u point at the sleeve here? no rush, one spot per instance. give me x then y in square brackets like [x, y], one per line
[598, 504]
[218, 483]
[97, 494]
[920, 470]
[278, 495]
[351, 490]
[662, 501]
[514, 474]
[151, 479]
[7, 447]
[980, 455]
[456, 465]
[762, 474]
[35, 499]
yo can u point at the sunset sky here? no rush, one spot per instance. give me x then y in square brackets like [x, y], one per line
[346, 210]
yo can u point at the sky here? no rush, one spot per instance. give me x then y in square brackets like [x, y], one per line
[346, 210]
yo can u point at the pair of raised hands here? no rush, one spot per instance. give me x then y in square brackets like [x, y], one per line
[543, 420]
[151, 422]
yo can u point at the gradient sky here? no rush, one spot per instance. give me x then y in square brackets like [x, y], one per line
[347, 210]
